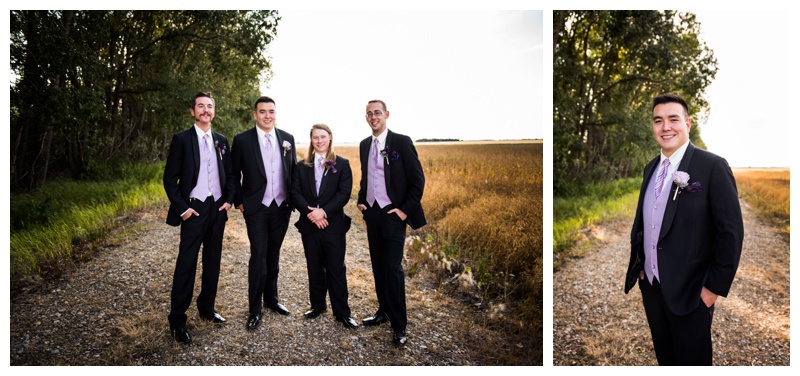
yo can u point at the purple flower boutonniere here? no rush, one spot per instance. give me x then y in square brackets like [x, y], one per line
[286, 147]
[681, 179]
[220, 149]
[330, 165]
[389, 155]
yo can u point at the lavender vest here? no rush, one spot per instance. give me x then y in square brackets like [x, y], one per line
[653, 215]
[273, 166]
[208, 176]
[376, 180]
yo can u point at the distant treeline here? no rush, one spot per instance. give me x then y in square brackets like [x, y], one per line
[92, 90]
[437, 139]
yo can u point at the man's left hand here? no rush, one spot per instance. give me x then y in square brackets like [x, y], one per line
[399, 213]
[708, 297]
[225, 206]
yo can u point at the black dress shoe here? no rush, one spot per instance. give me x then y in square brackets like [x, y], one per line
[400, 338]
[181, 335]
[314, 313]
[348, 322]
[279, 308]
[375, 320]
[253, 321]
[215, 318]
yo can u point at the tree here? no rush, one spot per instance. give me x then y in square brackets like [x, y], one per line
[96, 88]
[607, 68]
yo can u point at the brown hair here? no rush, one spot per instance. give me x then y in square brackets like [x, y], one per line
[378, 101]
[330, 156]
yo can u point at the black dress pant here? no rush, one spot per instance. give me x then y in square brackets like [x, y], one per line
[677, 340]
[326, 270]
[266, 228]
[386, 234]
[206, 229]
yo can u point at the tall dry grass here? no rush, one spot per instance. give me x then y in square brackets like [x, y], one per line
[768, 191]
[483, 203]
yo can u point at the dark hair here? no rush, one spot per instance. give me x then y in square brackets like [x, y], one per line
[201, 94]
[264, 99]
[378, 101]
[671, 98]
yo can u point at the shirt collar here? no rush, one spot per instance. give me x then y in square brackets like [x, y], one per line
[200, 133]
[261, 133]
[381, 137]
[676, 157]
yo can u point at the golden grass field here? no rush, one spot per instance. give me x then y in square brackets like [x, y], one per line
[483, 203]
[768, 191]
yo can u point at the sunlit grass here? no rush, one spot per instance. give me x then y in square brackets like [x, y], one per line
[601, 202]
[48, 222]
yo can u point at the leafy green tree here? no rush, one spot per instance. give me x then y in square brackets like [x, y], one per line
[94, 89]
[607, 68]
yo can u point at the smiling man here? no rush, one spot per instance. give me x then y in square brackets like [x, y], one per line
[686, 238]
[263, 165]
[199, 182]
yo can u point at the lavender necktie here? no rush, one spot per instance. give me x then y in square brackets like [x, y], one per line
[661, 176]
[318, 173]
[375, 152]
[270, 149]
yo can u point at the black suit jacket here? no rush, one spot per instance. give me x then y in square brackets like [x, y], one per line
[250, 173]
[183, 168]
[405, 180]
[334, 193]
[701, 235]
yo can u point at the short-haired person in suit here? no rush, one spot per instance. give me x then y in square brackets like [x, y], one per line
[321, 188]
[392, 183]
[686, 238]
[264, 159]
[199, 182]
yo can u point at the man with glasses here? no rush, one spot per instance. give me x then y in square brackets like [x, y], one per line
[392, 183]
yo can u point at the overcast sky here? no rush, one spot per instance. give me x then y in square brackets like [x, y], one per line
[750, 119]
[469, 75]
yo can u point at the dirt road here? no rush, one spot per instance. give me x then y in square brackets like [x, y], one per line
[595, 323]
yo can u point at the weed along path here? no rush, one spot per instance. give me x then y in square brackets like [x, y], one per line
[112, 310]
[595, 323]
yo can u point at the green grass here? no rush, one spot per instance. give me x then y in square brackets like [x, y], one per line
[596, 203]
[48, 222]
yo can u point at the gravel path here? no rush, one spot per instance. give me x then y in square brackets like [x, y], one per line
[595, 323]
[112, 310]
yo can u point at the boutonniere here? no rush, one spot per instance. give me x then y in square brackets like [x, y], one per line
[330, 165]
[681, 179]
[220, 149]
[389, 155]
[286, 147]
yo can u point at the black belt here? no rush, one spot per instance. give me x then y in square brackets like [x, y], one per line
[191, 199]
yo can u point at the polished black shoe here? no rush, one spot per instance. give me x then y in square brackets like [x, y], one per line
[314, 313]
[253, 321]
[400, 338]
[181, 335]
[279, 308]
[375, 320]
[215, 318]
[348, 322]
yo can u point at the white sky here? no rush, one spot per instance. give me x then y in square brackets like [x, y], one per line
[470, 75]
[749, 123]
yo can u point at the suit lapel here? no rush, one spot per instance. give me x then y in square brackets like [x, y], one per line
[218, 155]
[283, 154]
[257, 153]
[387, 172]
[672, 205]
[196, 153]
[325, 177]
